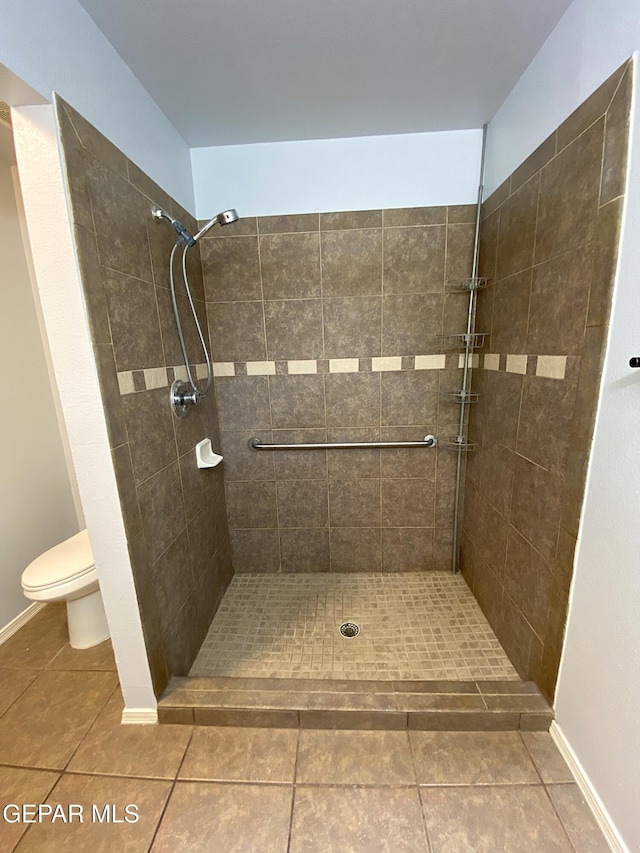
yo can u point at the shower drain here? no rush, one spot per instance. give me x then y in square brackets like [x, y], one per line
[349, 629]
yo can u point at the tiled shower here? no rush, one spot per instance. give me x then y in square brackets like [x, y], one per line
[334, 327]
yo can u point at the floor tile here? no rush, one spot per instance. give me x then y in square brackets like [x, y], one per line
[91, 835]
[18, 786]
[513, 818]
[47, 722]
[37, 642]
[471, 758]
[229, 754]
[13, 682]
[358, 820]
[546, 756]
[204, 816]
[577, 818]
[98, 657]
[413, 626]
[110, 748]
[354, 758]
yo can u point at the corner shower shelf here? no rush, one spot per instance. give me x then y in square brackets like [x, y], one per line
[464, 285]
[459, 442]
[460, 342]
[460, 396]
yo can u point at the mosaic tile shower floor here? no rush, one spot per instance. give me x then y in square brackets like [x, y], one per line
[412, 626]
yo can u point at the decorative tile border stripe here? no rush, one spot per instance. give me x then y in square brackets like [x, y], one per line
[548, 366]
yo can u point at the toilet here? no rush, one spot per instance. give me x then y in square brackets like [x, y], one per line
[67, 572]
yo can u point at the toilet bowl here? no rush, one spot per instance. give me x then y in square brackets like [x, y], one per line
[67, 572]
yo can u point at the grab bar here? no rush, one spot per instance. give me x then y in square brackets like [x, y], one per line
[427, 441]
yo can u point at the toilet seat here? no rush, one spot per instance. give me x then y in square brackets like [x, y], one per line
[62, 571]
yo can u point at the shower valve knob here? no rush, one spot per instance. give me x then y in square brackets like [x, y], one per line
[635, 361]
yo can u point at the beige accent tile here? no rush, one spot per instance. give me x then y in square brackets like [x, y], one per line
[354, 758]
[387, 363]
[224, 368]
[344, 365]
[203, 817]
[471, 758]
[261, 368]
[201, 371]
[474, 360]
[229, 754]
[125, 382]
[303, 366]
[491, 361]
[517, 364]
[430, 362]
[180, 372]
[155, 377]
[551, 366]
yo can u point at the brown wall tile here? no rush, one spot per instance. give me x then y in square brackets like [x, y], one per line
[559, 303]
[347, 320]
[237, 331]
[356, 549]
[614, 164]
[354, 503]
[231, 269]
[290, 265]
[573, 175]
[414, 259]
[352, 262]
[516, 239]
[302, 503]
[294, 329]
[353, 399]
[297, 401]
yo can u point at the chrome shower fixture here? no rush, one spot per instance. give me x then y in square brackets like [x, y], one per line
[160, 214]
[184, 395]
[224, 218]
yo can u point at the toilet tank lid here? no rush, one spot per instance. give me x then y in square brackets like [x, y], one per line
[69, 559]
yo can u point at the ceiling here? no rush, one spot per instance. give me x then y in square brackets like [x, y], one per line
[227, 72]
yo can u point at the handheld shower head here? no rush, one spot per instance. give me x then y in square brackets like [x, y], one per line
[224, 218]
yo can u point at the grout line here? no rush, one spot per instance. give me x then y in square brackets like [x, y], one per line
[173, 786]
[95, 720]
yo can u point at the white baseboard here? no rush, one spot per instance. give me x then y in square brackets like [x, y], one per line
[20, 620]
[603, 819]
[139, 716]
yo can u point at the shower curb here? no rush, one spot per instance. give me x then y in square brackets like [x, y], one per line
[330, 704]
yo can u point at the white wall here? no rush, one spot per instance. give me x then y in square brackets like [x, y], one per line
[38, 509]
[409, 170]
[63, 309]
[55, 46]
[598, 695]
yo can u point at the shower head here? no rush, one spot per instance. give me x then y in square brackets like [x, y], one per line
[224, 218]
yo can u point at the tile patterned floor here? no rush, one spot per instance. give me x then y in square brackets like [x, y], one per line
[247, 790]
[413, 626]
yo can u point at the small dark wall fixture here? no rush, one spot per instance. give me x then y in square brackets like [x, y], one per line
[174, 513]
[548, 245]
